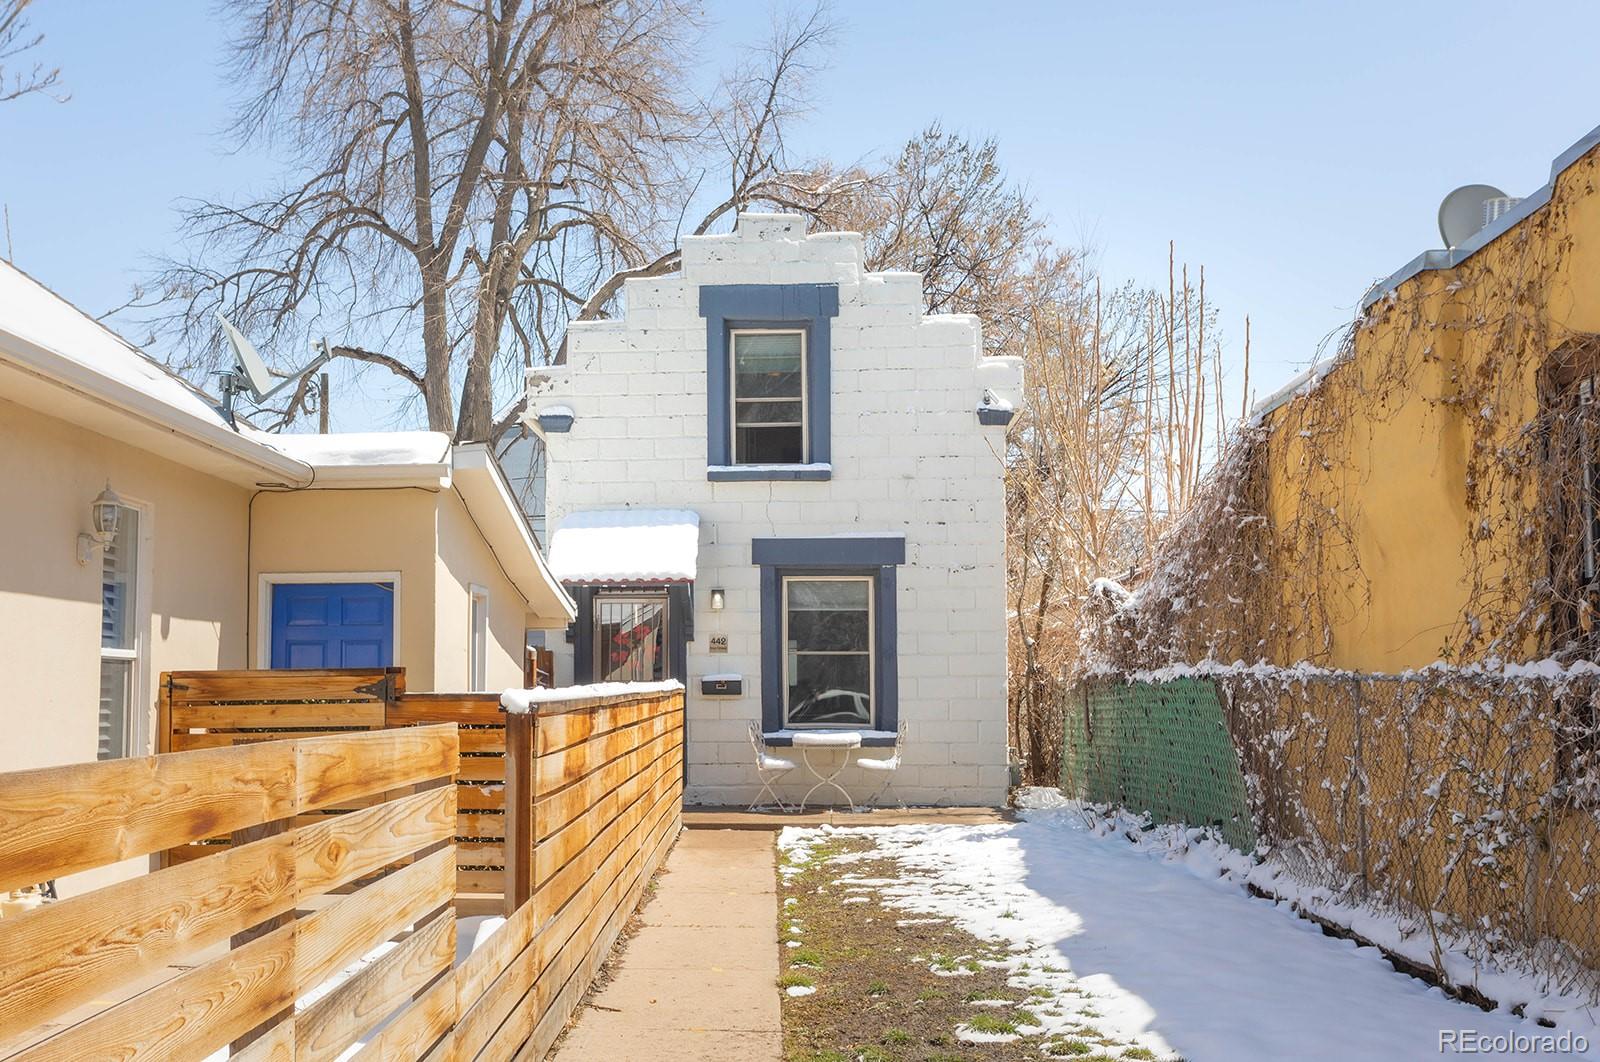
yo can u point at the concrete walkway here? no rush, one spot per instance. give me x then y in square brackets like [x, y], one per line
[700, 980]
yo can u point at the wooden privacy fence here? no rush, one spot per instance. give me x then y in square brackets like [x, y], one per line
[314, 929]
[211, 709]
[594, 801]
[246, 931]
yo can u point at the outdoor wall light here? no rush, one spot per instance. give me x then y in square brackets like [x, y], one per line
[104, 511]
[717, 599]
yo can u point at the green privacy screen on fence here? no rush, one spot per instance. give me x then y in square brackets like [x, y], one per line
[1159, 748]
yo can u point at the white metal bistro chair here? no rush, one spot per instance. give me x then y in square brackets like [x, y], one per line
[769, 769]
[886, 766]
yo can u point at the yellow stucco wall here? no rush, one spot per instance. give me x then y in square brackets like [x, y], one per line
[339, 532]
[1393, 533]
[464, 559]
[194, 530]
[426, 539]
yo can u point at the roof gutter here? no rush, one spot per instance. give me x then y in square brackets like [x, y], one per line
[45, 364]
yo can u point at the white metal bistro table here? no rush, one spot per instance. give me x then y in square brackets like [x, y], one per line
[844, 741]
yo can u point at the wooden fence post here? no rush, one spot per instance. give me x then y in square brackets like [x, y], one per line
[521, 728]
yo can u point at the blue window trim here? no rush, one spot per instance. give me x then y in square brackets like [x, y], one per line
[726, 307]
[877, 557]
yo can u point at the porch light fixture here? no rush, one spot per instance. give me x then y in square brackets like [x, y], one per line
[717, 599]
[104, 511]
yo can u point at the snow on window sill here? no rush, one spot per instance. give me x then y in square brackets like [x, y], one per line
[736, 473]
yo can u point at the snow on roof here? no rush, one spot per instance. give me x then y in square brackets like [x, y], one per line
[362, 449]
[32, 311]
[626, 545]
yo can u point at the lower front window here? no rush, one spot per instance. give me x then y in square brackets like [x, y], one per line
[828, 665]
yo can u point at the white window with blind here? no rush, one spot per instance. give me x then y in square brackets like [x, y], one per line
[769, 396]
[478, 668]
[120, 733]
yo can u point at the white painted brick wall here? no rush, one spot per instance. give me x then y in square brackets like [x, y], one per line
[908, 456]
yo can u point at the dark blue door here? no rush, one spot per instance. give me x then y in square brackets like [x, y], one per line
[332, 624]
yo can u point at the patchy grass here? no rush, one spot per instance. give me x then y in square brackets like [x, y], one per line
[988, 1023]
[892, 989]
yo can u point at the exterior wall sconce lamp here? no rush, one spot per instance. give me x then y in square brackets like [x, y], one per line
[105, 511]
[718, 599]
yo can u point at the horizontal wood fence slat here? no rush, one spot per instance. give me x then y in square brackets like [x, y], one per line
[588, 880]
[320, 832]
[58, 961]
[210, 709]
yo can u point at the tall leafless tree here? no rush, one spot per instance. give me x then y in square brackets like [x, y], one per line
[945, 208]
[467, 178]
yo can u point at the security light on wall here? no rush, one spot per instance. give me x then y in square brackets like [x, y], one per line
[104, 512]
[717, 599]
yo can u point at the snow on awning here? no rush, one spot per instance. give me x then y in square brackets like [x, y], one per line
[626, 546]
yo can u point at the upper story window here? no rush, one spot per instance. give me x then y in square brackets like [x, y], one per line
[769, 396]
[1588, 474]
[768, 387]
[1570, 492]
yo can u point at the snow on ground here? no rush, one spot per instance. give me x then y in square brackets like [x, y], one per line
[472, 933]
[1168, 952]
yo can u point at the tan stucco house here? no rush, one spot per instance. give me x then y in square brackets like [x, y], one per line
[232, 548]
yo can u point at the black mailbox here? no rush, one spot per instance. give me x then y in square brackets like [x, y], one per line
[725, 686]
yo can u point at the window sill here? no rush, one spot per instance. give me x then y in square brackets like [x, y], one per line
[740, 473]
[870, 739]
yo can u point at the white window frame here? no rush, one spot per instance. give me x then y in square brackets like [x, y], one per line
[733, 390]
[477, 638]
[872, 645]
[141, 691]
[265, 581]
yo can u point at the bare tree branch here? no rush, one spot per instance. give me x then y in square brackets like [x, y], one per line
[15, 40]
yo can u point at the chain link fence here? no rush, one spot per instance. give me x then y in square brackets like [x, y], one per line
[1162, 749]
[1460, 802]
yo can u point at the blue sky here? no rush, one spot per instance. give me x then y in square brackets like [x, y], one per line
[1299, 151]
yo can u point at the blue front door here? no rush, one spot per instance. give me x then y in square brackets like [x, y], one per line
[332, 624]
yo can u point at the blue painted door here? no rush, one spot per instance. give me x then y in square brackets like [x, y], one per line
[332, 624]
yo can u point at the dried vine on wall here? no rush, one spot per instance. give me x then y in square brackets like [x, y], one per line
[1467, 790]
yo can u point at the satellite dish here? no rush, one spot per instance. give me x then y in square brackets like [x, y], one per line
[247, 362]
[1465, 211]
[250, 375]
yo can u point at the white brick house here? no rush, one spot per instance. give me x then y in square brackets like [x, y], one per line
[777, 471]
